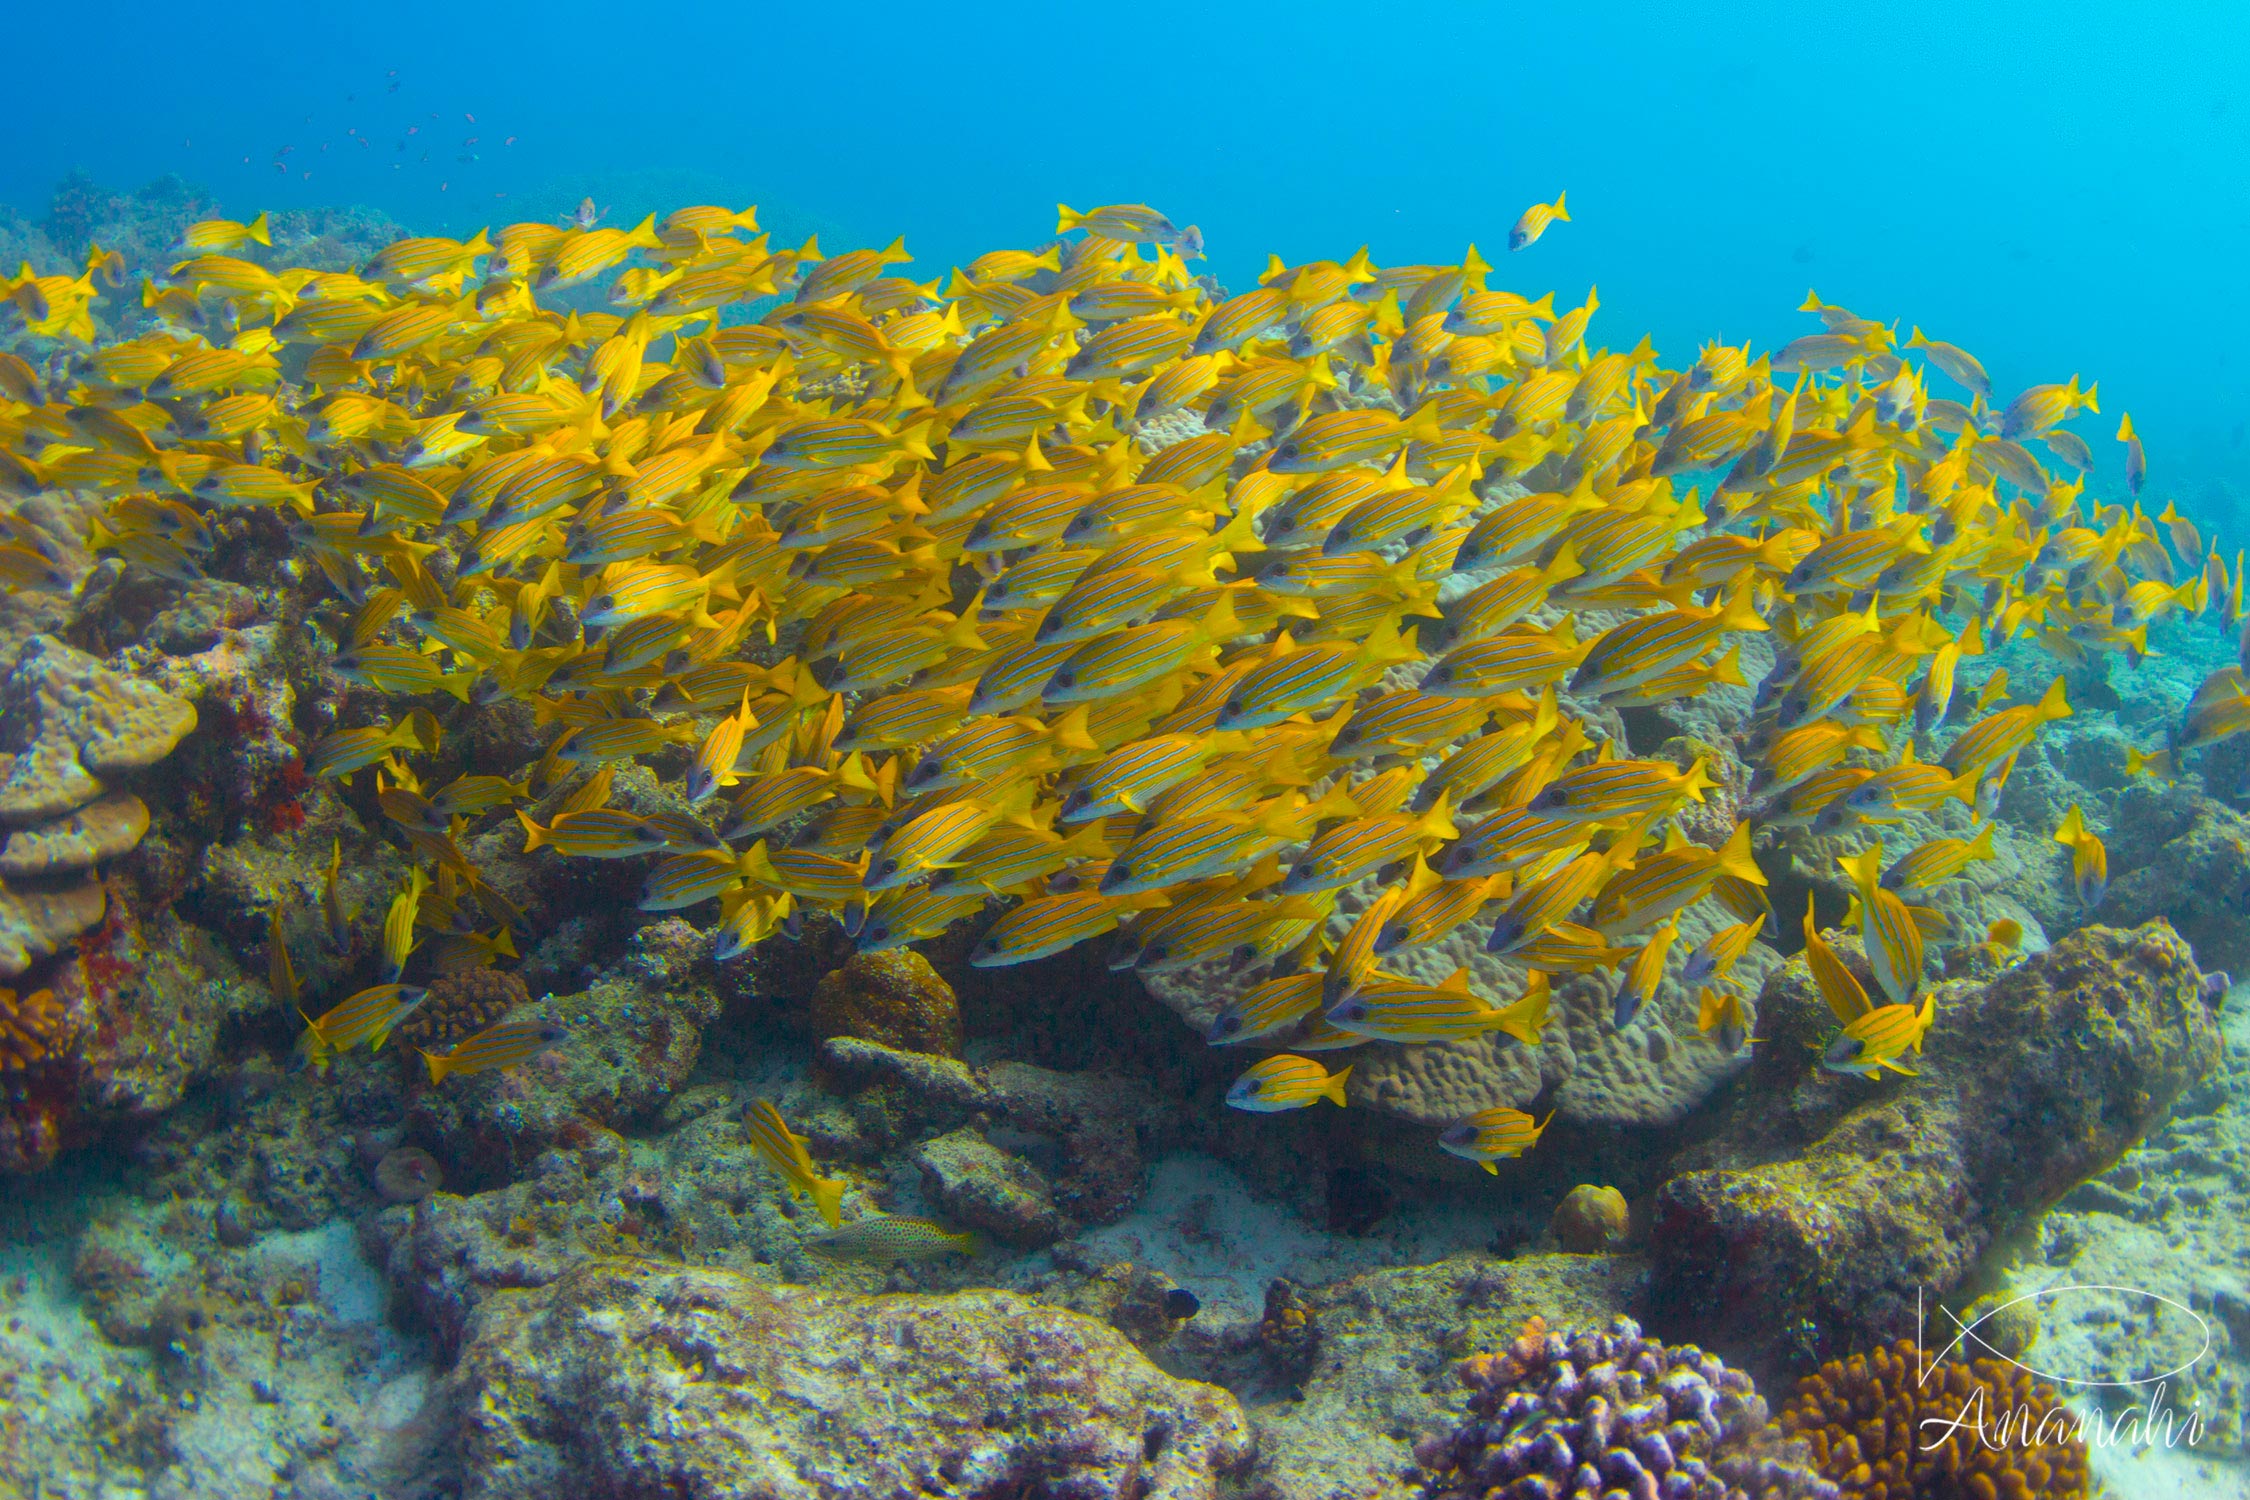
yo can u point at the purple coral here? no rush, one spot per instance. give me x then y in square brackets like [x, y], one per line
[1609, 1413]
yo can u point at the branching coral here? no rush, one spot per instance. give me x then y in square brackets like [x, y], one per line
[33, 1028]
[1900, 1424]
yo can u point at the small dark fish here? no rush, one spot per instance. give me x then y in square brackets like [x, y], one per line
[1181, 1304]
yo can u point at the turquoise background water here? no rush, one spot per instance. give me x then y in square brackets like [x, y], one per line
[2061, 187]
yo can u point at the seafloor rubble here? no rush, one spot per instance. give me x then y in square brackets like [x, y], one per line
[229, 1272]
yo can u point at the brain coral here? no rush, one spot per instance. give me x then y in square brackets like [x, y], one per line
[1900, 1425]
[1649, 1073]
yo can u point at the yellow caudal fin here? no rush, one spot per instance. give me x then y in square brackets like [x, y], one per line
[1865, 869]
[1564, 566]
[1736, 859]
[1728, 668]
[1740, 612]
[1334, 1087]
[533, 835]
[828, 1198]
[439, 1065]
[1071, 731]
[1437, 823]
[1525, 1017]
[2073, 827]
[260, 230]
[1698, 779]
[1561, 212]
[2052, 704]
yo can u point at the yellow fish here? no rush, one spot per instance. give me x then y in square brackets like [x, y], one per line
[1286, 1082]
[1534, 221]
[1493, 1135]
[785, 1152]
[2089, 861]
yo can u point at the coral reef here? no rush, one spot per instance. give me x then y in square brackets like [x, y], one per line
[1609, 1412]
[987, 1188]
[704, 1381]
[1653, 1072]
[465, 1001]
[894, 998]
[1590, 1219]
[70, 720]
[1820, 1207]
[1095, 1124]
[1868, 1422]
[635, 1036]
[2189, 865]
[66, 721]
[1352, 1374]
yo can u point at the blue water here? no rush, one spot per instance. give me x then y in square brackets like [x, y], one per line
[2058, 187]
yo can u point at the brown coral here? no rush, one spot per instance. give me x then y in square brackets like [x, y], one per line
[73, 720]
[1590, 1219]
[36, 923]
[893, 997]
[461, 1003]
[102, 829]
[1897, 1425]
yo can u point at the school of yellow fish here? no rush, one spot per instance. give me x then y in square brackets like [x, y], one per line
[1072, 588]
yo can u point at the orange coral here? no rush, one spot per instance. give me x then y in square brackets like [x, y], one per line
[1894, 1425]
[32, 1029]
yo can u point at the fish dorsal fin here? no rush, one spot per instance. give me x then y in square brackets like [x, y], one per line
[1457, 982]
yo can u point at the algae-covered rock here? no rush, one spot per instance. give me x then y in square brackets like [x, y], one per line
[987, 1188]
[894, 997]
[1095, 1123]
[1377, 1352]
[631, 1045]
[1822, 1205]
[686, 1381]
[2198, 878]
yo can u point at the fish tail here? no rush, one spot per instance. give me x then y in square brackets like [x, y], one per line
[1561, 212]
[1334, 1087]
[828, 1198]
[1741, 612]
[1736, 860]
[1980, 847]
[2053, 705]
[533, 835]
[1067, 218]
[261, 231]
[1698, 779]
[439, 1066]
[1071, 731]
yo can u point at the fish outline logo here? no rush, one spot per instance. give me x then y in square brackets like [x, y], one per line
[1967, 1331]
